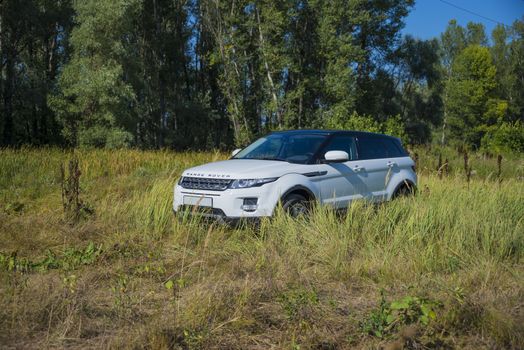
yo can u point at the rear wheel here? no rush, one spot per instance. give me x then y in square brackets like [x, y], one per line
[296, 205]
[404, 190]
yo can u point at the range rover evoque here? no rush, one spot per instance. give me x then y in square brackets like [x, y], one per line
[296, 168]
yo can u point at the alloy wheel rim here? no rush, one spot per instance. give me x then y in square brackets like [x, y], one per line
[298, 208]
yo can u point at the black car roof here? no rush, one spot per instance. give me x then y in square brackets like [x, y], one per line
[330, 132]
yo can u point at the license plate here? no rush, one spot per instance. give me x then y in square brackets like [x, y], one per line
[199, 201]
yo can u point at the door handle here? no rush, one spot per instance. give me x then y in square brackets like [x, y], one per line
[391, 164]
[357, 168]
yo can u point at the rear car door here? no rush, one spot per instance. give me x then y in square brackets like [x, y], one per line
[374, 165]
[398, 159]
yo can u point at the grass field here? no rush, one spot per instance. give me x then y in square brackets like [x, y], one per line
[443, 269]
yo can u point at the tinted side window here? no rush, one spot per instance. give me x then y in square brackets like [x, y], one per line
[371, 148]
[342, 143]
[299, 148]
[393, 148]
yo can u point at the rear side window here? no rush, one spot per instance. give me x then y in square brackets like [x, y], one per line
[379, 147]
[371, 148]
[342, 143]
[393, 148]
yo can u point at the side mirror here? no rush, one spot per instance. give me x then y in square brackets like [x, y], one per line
[235, 152]
[336, 157]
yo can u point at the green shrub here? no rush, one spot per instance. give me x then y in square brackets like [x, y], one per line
[504, 138]
[388, 317]
[99, 136]
[70, 259]
[392, 126]
[295, 300]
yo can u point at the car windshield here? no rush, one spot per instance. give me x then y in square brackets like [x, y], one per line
[292, 148]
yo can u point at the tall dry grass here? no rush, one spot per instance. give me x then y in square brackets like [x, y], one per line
[128, 275]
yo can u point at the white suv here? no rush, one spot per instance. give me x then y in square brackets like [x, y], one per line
[295, 168]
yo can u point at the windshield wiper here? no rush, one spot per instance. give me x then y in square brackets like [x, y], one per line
[268, 158]
[277, 159]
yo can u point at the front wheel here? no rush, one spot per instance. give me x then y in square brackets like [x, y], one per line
[296, 205]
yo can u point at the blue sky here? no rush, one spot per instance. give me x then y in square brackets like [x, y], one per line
[429, 18]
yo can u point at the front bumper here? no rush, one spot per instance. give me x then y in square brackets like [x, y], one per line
[227, 205]
[215, 215]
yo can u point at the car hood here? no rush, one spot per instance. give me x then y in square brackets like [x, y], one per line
[243, 169]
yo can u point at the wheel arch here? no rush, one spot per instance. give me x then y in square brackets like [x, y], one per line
[404, 183]
[301, 190]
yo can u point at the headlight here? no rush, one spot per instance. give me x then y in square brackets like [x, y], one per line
[245, 183]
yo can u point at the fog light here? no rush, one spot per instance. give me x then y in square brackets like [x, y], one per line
[250, 204]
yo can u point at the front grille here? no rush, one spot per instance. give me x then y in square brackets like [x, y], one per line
[198, 183]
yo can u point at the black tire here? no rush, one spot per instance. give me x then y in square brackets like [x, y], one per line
[296, 205]
[405, 190]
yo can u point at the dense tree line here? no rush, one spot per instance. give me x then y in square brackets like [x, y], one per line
[209, 73]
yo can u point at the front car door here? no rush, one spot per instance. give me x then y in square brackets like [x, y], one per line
[340, 183]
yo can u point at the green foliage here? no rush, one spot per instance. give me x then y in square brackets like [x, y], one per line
[389, 317]
[412, 309]
[194, 338]
[377, 321]
[33, 48]
[98, 136]
[122, 299]
[376, 89]
[336, 49]
[392, 126]
[420, 89]
[514, 80]
[93, 103]
[70, 259]
[469, 95]
[73, 258]
[14, 207]
[295, 301]
[354, 122]
[504, 138]
[169, 284]
[207, 74]
[11, 262]
[395, 127]
[453, 41]
[481, 92]
[70, 282]
[475, 34]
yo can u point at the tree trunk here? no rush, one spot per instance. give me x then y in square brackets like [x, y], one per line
[445, 118]
[161, 83]
[8, 98]
[1, 70]
[235, 115]
[268, 72]
[45, 113]
[300, 107]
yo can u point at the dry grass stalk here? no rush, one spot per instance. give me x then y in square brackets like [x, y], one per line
[70, 185]
[467, 167]
[499, 168]
[439, 166]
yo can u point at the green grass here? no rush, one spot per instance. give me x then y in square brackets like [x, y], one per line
[128, 275]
